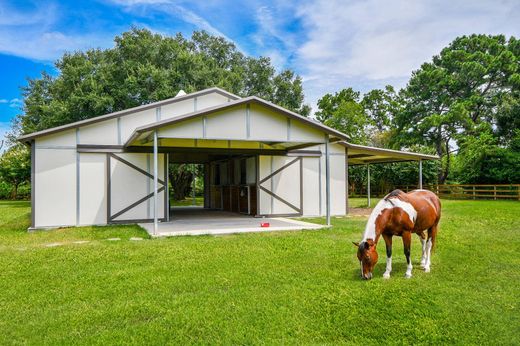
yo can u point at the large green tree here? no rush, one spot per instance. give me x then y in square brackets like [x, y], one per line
[144, 67]
[470, 82]
[15, 167]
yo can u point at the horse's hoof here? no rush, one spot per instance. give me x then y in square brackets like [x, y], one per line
[422, 265]
[426, 269]
[386, 276]
[407, 276]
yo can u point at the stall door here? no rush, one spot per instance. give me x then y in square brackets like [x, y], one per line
[130, 188]
[280, 185]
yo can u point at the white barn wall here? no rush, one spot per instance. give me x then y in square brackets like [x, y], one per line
[267, 124]
[55, 186]
[311, 186]
[92, 192]
[128, 186]
[229, 124]
[210, 100]
[102, 133]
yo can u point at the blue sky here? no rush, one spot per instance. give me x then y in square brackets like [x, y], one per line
[332, 44]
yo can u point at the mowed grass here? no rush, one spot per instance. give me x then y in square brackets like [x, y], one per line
[286, 287]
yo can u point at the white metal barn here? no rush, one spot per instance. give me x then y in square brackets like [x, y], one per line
[259, 160]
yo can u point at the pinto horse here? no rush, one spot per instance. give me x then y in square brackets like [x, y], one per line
[400, 214]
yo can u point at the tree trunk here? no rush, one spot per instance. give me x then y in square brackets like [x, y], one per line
[181, 181]
[445, 171]
[14, 193]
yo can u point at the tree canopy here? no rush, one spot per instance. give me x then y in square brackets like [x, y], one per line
[466, 100]
[144, 67]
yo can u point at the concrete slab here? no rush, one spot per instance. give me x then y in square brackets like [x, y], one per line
[199, 221]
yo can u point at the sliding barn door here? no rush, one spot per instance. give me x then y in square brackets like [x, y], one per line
[280, 185]
[130, 188]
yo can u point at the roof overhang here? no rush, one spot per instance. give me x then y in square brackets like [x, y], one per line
[362, 155]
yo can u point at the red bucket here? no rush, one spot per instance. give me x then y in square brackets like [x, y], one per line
[264, 224]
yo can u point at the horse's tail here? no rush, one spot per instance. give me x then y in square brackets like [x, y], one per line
[435, 228]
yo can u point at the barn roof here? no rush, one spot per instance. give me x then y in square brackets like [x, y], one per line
[30, 136]
[361, 154]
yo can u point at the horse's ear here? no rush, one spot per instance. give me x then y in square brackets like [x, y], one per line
[355, 244]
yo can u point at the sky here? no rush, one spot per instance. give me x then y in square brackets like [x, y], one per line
[332, 44]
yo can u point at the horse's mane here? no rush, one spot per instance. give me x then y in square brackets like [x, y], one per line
[394, 194]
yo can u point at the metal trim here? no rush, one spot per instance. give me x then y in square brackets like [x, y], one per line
[119, 135]
[248, 121]
[140, 170]
[135, 204]
[78, 207]
[279, 170]
[166, 160]
[33, 184]
[109, 187]
[290, 205]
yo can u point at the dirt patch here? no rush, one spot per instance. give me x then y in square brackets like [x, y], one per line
[359, 211]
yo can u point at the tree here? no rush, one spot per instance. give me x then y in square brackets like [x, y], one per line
[464, 86]
[344, 112]
[482, 160]
[15, 167]
[144, 67]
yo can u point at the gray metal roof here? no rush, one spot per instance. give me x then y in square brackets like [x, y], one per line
[362, 154]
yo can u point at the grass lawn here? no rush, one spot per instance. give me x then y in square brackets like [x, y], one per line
[188, 201]
[287, 287]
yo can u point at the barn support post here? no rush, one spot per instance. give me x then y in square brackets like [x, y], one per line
[327, 178]
[346, 181]
[368, 185]
[420, 174]
[155, 184]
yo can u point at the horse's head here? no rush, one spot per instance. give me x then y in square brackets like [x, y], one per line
[367, 255]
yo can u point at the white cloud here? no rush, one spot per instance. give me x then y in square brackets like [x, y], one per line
[36, 37]
[371, 43]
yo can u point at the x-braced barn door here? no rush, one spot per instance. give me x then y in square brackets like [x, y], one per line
[130, 188]
[280, 185]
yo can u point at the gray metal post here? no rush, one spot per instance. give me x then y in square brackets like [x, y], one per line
[327, 178]
[420, 174]
[368, 184]
[346, 179]
[155, 184]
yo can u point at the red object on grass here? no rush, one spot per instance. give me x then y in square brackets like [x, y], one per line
[264, 224]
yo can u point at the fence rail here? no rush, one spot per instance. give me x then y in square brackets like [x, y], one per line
[468, 191]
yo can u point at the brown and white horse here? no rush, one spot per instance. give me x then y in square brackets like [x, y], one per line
[400, 214]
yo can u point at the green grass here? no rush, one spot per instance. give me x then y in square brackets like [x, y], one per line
[292, 287]
[188, 201]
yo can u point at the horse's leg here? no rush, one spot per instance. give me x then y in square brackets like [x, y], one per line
[422, 236]
[388, 242]
[432, 233]
[407, 242]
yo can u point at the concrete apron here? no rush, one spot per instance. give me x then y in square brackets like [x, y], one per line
[216, 222]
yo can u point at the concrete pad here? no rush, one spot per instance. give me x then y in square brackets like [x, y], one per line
[81, 241]
[53, 244]
[114, 239]
[136, 238]
[199, 221]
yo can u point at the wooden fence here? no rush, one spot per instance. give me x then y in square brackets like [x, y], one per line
[467, 191]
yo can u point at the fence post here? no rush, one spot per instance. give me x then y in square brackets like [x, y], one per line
[473, 192]
[495, 191]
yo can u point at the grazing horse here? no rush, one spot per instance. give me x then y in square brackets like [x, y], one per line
[400, 214]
